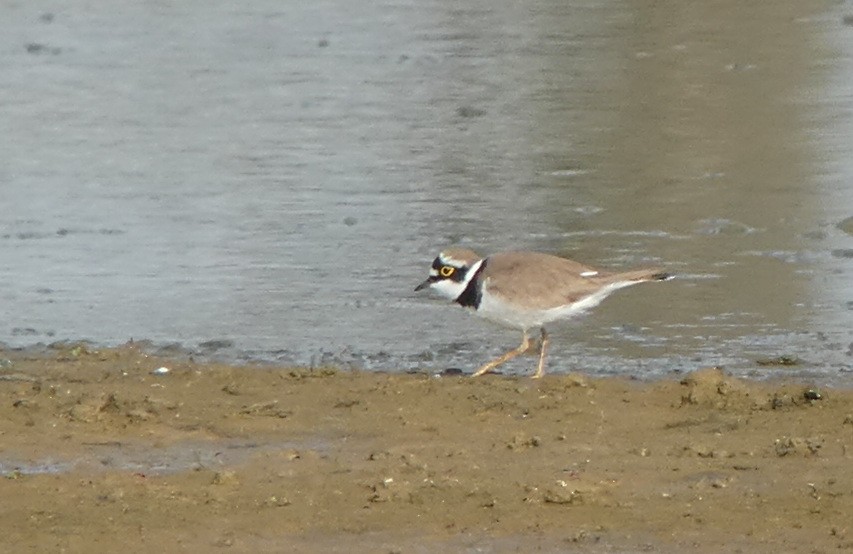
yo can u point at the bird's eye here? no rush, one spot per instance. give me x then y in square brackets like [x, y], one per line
[446, 271]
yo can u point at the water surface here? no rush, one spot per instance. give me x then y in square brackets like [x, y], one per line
[276, 178]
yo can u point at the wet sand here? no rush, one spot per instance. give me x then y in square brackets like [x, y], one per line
[99, 454]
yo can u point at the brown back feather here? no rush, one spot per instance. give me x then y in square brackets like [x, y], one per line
[544, 281]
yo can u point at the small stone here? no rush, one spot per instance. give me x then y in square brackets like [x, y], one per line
[787, 446]
[562, 497]
[292, 455]
[812, 395]
[225, 478]
[277, 502]
[139, 415]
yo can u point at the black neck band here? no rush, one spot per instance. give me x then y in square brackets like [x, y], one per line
[473, 293]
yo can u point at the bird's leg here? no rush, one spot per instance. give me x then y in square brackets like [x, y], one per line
[540, 369]
[525, 345]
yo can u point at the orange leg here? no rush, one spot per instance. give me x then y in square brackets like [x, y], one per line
[540, 369]
[525, 345]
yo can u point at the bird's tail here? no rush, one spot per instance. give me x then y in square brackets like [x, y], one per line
[640, 275]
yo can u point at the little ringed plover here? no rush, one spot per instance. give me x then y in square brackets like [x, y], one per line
[525, 290]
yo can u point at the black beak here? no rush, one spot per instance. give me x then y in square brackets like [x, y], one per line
[430, 280]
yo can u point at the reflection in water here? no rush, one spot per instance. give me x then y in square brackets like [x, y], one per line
[280, 176]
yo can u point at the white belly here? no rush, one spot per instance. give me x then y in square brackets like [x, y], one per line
[511, 315]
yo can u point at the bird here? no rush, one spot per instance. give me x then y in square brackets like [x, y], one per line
[525, 290]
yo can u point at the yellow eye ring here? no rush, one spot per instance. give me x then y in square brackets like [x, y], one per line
[446, 271]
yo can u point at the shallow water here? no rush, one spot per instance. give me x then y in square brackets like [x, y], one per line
[151, 460]
[269, 181]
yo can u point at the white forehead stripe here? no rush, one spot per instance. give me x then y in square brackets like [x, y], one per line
[589, 274]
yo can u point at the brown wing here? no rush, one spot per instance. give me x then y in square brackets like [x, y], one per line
[540, 281]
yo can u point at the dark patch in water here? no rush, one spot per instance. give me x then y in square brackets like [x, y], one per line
[217, 344]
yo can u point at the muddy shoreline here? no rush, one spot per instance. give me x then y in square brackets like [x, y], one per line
[99, 450]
